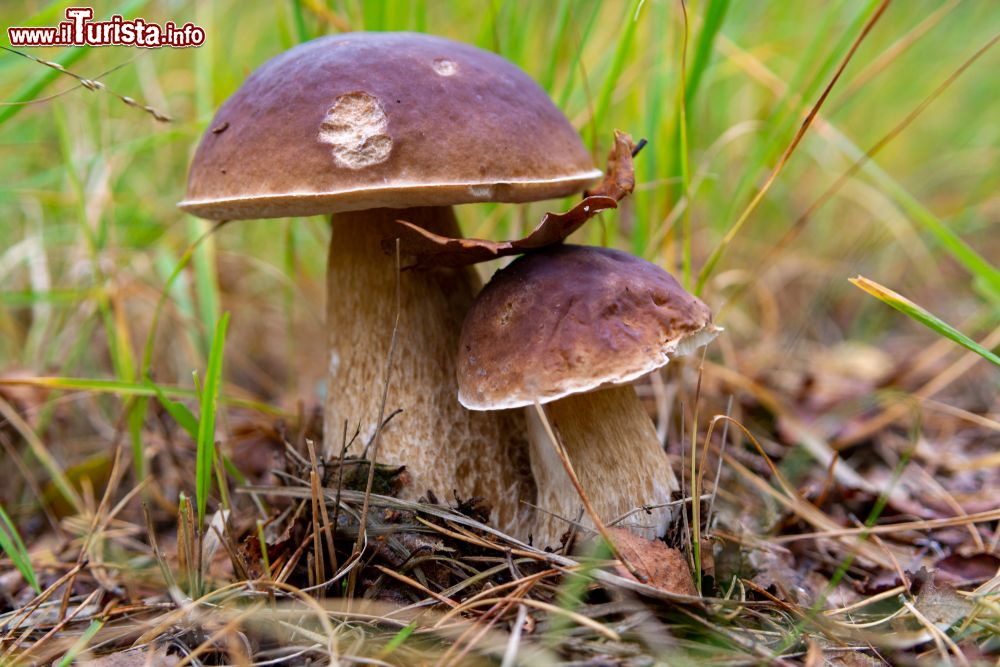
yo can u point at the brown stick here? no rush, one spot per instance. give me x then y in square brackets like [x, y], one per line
[598, 523]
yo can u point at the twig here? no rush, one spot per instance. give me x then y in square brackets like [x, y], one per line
[697, 473]
[340, 481]
[718, 469]
[94, 85]
[510, 655]
[409, 581]
[598, 523]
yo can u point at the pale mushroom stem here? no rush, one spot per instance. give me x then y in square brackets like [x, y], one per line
[612, 446]
[444, 447]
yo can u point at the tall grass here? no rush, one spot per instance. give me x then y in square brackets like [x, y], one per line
[209, 401]
[921, 315]
[12, 545]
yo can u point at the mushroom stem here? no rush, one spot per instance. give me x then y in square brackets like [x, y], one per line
[612, 446]
[444, 447]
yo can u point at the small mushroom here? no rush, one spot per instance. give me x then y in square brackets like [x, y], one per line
[571, 327]
[371, 128]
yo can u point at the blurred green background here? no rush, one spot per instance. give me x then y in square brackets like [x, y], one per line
[90, 231]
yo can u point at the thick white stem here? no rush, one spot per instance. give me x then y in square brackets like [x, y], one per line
[444, 447]
[613, 448]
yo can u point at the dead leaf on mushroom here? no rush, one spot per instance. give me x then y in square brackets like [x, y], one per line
[428, 249]
[664, 567]
[619, 180]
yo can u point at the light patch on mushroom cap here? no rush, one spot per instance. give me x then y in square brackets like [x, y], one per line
[445, 67]
[483, 192]
[356, 127]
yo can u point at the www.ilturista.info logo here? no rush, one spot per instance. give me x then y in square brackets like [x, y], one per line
[80, 30]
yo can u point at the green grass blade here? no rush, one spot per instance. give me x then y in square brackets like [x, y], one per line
[617, 64]
[42, 454]
[299, 19]
[203, 260]
[206, 283]
[168, 289]
[184, 417]
[656, 131]
[920, 314]
[962, 252]
[124, 388]
[80, 644]
[795, 98]
[682, 156]
[13, 546]
[373, 16]
[206, 418]
[574, 63]
[715, 15]
[398, 639]
[56, 297]
[233, 471]
[806, 124]
[95, 241]
[561, 22]
[136, 417]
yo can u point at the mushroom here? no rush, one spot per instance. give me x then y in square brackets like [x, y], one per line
[571, 327]
[371, 128]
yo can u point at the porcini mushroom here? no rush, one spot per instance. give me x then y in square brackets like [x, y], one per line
[371, 128]
[571, 327]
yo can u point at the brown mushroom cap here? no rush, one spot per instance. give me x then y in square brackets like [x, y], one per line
[570, 319]
[365, 120]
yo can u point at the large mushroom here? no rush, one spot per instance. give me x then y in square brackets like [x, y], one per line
[570, 327]
[371, 128]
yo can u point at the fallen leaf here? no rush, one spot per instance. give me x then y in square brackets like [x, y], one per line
[776, 568]
[957, 569]
[429, 250]
[252, 558]
[880, 581]
[942, 605]
[96, 469]
[663, 567]
[707, 557]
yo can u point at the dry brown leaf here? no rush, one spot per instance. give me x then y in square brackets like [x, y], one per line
[664, 567]
[941, 604]
[619, 180]
[958, 569]
[428, 249]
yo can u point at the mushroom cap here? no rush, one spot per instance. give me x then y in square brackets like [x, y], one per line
[571, 319]
[366, 120]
